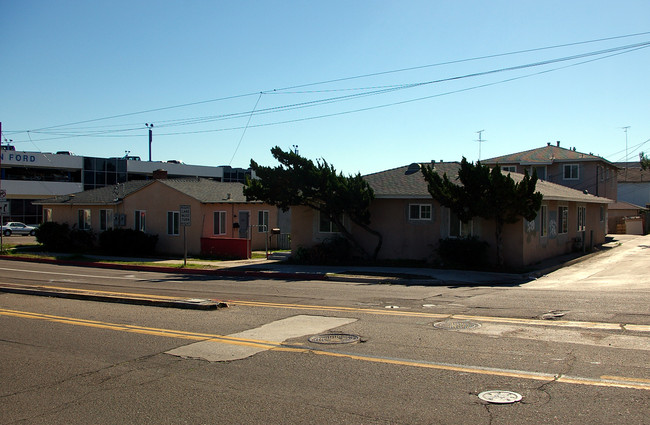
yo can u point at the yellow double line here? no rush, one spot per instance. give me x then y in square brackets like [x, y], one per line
[403, 313]
[603, 381]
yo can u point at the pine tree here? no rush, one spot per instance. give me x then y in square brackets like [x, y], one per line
[487, 193]
[300, 181]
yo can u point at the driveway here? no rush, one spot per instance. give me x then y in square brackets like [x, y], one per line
[624, 264]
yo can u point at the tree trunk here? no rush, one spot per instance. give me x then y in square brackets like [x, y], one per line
[347, 235]
[380, 238]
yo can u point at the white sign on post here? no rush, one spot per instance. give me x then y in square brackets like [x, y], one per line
[186, 220]
[186, 215]
[4, 208]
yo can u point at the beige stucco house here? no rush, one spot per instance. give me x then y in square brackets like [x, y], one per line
[217, 210]
[412, 223]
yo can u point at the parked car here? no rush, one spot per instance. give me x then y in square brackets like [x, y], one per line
[18, 228]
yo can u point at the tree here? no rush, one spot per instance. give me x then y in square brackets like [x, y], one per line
[645, 161]
[486, 193]
[300, 181]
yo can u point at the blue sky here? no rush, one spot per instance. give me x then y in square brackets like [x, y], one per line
[224, 82]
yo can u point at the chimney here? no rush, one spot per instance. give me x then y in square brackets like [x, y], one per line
[558, 143]
[160, 174]
[548, 143]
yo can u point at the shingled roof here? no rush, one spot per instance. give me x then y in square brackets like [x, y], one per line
[632, 172]
[203, 190]
[208, 191]
[396, 184]
[107, 195]
[545, 155]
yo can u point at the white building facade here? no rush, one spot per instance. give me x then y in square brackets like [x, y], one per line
[28, 176]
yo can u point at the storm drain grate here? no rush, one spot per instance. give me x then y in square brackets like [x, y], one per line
[334, 338]
[453, 325]
[500, 397]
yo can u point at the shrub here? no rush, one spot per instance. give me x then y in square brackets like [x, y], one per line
[467, 252]
[127, 242]
[59, 237]
[54, 236]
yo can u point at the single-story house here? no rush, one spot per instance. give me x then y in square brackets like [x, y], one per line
[205, 212]
[412, 222]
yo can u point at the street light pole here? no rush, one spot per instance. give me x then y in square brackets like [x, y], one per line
[150, 127]
[625, 130]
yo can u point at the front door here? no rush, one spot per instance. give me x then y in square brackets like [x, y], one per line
[244, 222]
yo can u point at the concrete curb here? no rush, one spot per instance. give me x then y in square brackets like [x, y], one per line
[133, 299]
[267, 274]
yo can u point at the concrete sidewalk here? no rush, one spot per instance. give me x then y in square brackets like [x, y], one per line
[276, 267]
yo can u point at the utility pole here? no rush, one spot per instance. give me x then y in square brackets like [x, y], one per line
[150, 127]
[480, 140]
[625, 130]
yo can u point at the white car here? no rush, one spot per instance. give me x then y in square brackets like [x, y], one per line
[18, 228]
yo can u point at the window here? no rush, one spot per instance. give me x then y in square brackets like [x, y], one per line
[84, 220]
[540, 170]
[328, 226]
[509, 168]
[140, 222]
[420, 212]
[105, 220]
[219, 221]
[458, 229]
[571, 172]
[262, 221]
[47, 215]
[173, 222]
[543, 218]
[563, 219]
[582, 218]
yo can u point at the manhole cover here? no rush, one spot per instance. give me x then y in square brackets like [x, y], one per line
[500, 397]
[456, 324]
[334, 338]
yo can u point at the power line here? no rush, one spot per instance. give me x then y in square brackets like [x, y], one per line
[245, 128]
[537, 49]
[332, 100]
[341, 79]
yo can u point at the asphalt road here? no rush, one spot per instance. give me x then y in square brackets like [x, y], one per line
[78, 362]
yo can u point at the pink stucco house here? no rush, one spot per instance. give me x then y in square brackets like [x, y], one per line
[412, 223]
[217, 211]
